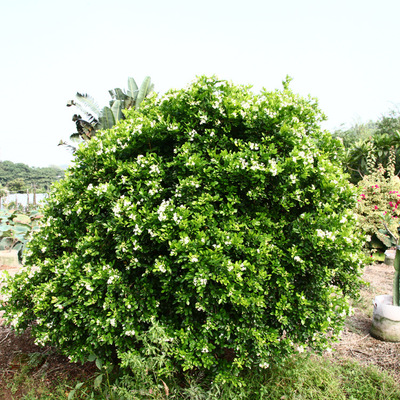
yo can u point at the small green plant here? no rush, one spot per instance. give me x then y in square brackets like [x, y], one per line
[303, 376]
[16, 229]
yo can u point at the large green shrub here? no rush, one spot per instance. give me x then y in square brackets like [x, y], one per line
[217, 214]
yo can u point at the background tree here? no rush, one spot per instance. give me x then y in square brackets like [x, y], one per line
[389, 124]
[382, 134]
[17, 185]
[40, 177]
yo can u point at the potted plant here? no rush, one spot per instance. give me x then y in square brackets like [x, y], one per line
[386, 314]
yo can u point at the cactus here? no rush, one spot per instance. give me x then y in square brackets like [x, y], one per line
[15, 229]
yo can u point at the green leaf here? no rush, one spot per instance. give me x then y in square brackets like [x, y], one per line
[99, 364]
[133, 89]
[6, 243]
[22, 228]
[144, 90]
[107, 120]
[116, 110]
[98, 381]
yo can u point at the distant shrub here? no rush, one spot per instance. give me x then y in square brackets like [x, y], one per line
[220, 215]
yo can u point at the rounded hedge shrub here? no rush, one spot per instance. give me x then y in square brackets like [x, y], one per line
[219, 215]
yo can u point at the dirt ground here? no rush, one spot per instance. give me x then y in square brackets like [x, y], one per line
[356, 343]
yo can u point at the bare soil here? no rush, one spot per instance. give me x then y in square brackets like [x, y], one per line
[355, 343]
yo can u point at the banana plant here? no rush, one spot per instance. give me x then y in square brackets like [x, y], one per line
[105, 118]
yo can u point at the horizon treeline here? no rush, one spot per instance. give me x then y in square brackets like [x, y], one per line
[19, 177]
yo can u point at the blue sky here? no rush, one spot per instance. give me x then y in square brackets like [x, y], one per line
[343, 52]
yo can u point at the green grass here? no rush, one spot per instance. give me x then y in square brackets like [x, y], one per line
[304, 377]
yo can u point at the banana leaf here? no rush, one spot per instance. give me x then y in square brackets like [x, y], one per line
[133, 89]
[107, 120]
[116, 110]
[143, 92]
[6, 243]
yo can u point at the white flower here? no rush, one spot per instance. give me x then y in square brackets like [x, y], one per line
[273, 169]
[203, 119]
[154, 169]
[243, 162]
[347, 240]
[192, 134]
[200, 281]
[298, 259]
[137, 230]
[320, 233]
[89, 288]
[177, 218]
[253, 146]
[117, 210]
[293, 178]
[300, 349]
[161, 266]
[330, 236]
[194, 259]
[264, 365]
[110, 279]
[185, 240]
[161, 209]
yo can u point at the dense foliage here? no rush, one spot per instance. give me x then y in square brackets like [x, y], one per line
[220, 216]
[20, 177]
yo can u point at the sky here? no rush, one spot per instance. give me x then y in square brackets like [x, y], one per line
[343, 52]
